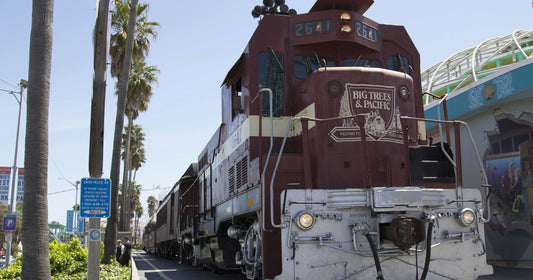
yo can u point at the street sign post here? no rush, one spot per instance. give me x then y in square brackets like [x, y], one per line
[95, 198]
[95, 203]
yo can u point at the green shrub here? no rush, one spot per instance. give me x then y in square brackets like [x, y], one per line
[67, 259]
[13, 271]
[69, 262]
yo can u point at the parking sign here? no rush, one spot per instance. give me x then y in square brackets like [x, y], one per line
[10, 222]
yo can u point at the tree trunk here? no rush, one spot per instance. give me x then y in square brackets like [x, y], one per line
[36, 261]
[124, 213]
[119, 124]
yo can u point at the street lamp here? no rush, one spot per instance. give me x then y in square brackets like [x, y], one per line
[75, 203]
[12, 209]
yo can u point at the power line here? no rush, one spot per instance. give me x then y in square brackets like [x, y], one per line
[63, 191]
[142, 190]
[7, 83]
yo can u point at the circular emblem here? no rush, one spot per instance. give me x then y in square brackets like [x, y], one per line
[94, 235]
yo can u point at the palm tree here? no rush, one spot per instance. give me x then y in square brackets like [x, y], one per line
[35, 260]
[139, 93]
[111, 228]
[145, 29]
[137, 160]
[139, 211]
[136, 150]
[152, 205]
[123, 48]
[133, 194]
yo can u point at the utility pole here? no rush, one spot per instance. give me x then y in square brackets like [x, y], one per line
[96, 139]
[76, 206]
[12, 202]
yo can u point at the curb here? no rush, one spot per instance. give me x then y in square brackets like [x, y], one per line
[134, 274]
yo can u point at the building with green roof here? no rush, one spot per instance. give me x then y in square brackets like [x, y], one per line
[490, 87]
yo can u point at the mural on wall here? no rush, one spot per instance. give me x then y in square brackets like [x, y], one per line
[510, 203]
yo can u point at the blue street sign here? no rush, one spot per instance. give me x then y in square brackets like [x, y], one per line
[81, 222]
[95, 197]
[70, 220]
[10, 222]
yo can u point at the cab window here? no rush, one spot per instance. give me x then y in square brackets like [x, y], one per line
[305, 65]
[271, 76]
[349, 62]
[398, 63]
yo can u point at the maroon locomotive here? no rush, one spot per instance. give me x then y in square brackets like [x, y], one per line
[320, 168]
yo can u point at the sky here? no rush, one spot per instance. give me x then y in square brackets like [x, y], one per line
[196, 46]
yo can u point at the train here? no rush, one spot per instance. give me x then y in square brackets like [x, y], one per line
[321, 168]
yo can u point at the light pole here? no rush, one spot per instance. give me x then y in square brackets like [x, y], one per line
[75, 204]
[12, 209]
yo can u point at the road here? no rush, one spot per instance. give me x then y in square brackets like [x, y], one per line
[155, 268]
[150, 267]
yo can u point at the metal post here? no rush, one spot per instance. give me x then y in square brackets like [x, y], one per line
[12, 208]
[93, 260]
[97, 124]
[76, 210]
[75, 203]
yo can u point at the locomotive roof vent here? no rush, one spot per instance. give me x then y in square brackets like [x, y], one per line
[272, 7]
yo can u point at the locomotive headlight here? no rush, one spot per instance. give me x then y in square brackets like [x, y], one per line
[467, 216]
[305, 220]
[404, 92]
[345, 17]
[346, 28]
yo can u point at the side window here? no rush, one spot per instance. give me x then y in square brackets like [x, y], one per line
[305, 65]
[348, 62]
[236, 102]
[398, 63]
[271, 76]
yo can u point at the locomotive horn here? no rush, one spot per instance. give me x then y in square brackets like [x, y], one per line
[256, 12]
[268, 3]
[284, 8]
[272, 7]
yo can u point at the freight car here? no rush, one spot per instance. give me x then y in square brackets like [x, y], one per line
[321, 168]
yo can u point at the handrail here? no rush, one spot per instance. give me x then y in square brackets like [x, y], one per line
[267, 160]
[482, 167]
[284, 225]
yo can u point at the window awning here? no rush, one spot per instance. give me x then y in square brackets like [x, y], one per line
[235, 72]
